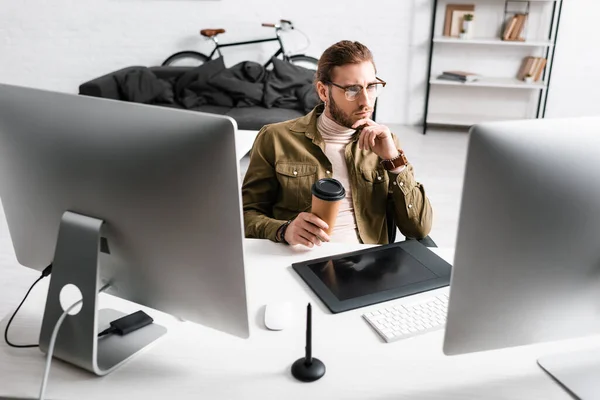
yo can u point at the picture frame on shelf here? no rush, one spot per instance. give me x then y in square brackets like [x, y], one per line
[449, 22]
[456, 27]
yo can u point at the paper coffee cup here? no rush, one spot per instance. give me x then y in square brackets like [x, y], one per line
[326, 196]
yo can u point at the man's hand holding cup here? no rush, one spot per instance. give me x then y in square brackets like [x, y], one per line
[307, 229]
[315, 227]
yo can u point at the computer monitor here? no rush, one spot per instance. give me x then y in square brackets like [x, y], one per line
[527, 261]
[144, 198]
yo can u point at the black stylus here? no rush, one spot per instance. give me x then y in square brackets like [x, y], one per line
[307, 368]
[308, 356]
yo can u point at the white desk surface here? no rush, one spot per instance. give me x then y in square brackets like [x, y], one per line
[195, 362]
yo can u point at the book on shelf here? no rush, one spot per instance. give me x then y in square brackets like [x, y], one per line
[540, 69]
[449, 78]
[510, 26]
[514, 28]
[532, 66]
[461, 76]
[525, 67]
[516, 35]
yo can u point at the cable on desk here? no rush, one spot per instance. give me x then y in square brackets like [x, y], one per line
[122, 326]
[115, 326]
[45, 273]
[53, 343]
[51, 347]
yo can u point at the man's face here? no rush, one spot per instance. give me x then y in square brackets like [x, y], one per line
[339, 108]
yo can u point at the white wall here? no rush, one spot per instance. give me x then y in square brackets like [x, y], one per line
[59, 44]
[575, 82]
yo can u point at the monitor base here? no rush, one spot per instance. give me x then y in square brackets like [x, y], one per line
[76, 262]
[577, 372]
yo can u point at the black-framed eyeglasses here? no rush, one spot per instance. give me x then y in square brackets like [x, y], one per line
[373, 89]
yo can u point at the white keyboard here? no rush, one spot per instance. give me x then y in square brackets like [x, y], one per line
[405, 320]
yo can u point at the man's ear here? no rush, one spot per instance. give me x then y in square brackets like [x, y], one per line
[322, 92]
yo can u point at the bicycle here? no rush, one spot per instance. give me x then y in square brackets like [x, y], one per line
[195, 58]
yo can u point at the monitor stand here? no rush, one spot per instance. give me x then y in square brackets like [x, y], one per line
[76, 262]
[577, 372]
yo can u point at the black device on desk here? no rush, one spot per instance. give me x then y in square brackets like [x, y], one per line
[364, 277]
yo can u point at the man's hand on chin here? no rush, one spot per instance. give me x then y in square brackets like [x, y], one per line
[376, 138]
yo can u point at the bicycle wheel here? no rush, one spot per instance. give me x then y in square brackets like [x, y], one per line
[186, 59]
[304, 61]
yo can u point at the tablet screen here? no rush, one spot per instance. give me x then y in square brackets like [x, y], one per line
[367, 273]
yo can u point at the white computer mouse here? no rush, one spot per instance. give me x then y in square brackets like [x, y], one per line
[278, 316]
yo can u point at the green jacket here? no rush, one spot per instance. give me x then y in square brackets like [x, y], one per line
[288, 157]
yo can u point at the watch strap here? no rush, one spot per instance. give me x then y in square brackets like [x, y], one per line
[280, 235]
[395, 162]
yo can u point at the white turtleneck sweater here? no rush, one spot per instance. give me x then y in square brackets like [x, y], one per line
[336, 139]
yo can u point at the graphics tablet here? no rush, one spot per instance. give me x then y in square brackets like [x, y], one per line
[361, 278]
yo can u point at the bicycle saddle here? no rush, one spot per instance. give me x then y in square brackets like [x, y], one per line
[211, 32]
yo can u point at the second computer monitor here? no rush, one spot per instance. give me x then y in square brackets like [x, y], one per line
[143, 198]
[527, 261]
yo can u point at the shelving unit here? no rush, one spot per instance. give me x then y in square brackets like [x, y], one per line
[493, 42]
[489, 48]
[508, 83]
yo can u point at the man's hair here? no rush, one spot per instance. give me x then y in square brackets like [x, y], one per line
[341, 53]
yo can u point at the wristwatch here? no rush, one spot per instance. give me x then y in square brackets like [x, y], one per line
[280, 234]
[395, 162]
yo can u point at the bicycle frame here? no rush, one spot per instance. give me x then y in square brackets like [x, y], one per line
[218, 46]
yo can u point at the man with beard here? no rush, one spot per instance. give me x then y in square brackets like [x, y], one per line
[335, 140]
